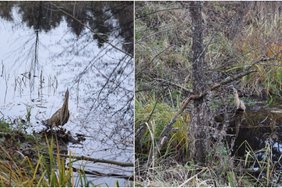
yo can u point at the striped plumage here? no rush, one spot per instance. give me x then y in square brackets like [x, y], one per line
[61, 116]
[240, 105]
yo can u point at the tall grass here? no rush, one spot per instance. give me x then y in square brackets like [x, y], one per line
[45, 170]
[152, 116]
[258, 40]
[256, 168]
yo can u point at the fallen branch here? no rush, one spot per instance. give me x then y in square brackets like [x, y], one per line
[168, 127]
[84, 158]
[101, 174]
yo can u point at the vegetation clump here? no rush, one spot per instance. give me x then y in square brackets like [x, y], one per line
[27, 160]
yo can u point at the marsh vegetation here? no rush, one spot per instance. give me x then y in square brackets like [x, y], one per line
[188, 129]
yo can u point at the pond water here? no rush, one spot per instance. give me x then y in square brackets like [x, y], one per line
[260, 134]
[47, 48]
[260, 125]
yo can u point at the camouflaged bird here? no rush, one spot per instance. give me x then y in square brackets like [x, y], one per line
[61, 116]
[240, 105]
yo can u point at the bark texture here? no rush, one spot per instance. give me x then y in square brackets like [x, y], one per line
[199, 126]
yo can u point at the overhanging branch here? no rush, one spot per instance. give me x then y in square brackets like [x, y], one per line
[167, 129]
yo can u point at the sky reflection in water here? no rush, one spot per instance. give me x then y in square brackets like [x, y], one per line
[100, 81]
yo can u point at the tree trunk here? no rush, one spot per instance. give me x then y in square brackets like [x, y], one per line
[200, 117]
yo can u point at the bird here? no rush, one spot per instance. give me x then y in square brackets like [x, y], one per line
[240, 105]
[61, 116]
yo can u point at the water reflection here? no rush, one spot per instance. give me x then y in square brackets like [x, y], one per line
[47, 47]
[97, 16]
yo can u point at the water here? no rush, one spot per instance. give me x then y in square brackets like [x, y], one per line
[258, 141]
[37, 65]
[260, 125]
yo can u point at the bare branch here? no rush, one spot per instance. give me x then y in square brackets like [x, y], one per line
[84, 158]
[174, 84]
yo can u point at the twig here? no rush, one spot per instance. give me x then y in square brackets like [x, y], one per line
[160, 53]
[152, 112]
[140, 131]
[174, 84]
[192, 177]
[153, 59]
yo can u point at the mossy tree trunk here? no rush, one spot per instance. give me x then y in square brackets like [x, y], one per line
[200, 119]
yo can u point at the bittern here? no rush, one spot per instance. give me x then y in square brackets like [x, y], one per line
[240, 105]
[61, 116]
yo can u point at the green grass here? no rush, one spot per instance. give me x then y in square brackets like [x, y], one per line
[4, 126]
[46, 168]
[43, 170]
[154, 116]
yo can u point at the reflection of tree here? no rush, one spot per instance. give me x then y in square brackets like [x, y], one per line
[113, 100]
[39, 15]
[121, 111]
[44, 16]
[123, 12]
[79, 12]
[6, 10]
[100, 25]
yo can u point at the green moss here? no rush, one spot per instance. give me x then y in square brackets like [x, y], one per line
[4, 126]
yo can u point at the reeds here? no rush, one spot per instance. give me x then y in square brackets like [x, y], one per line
[44, 170]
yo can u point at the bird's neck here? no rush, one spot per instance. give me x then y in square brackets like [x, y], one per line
[65, 105]
[237, 99]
